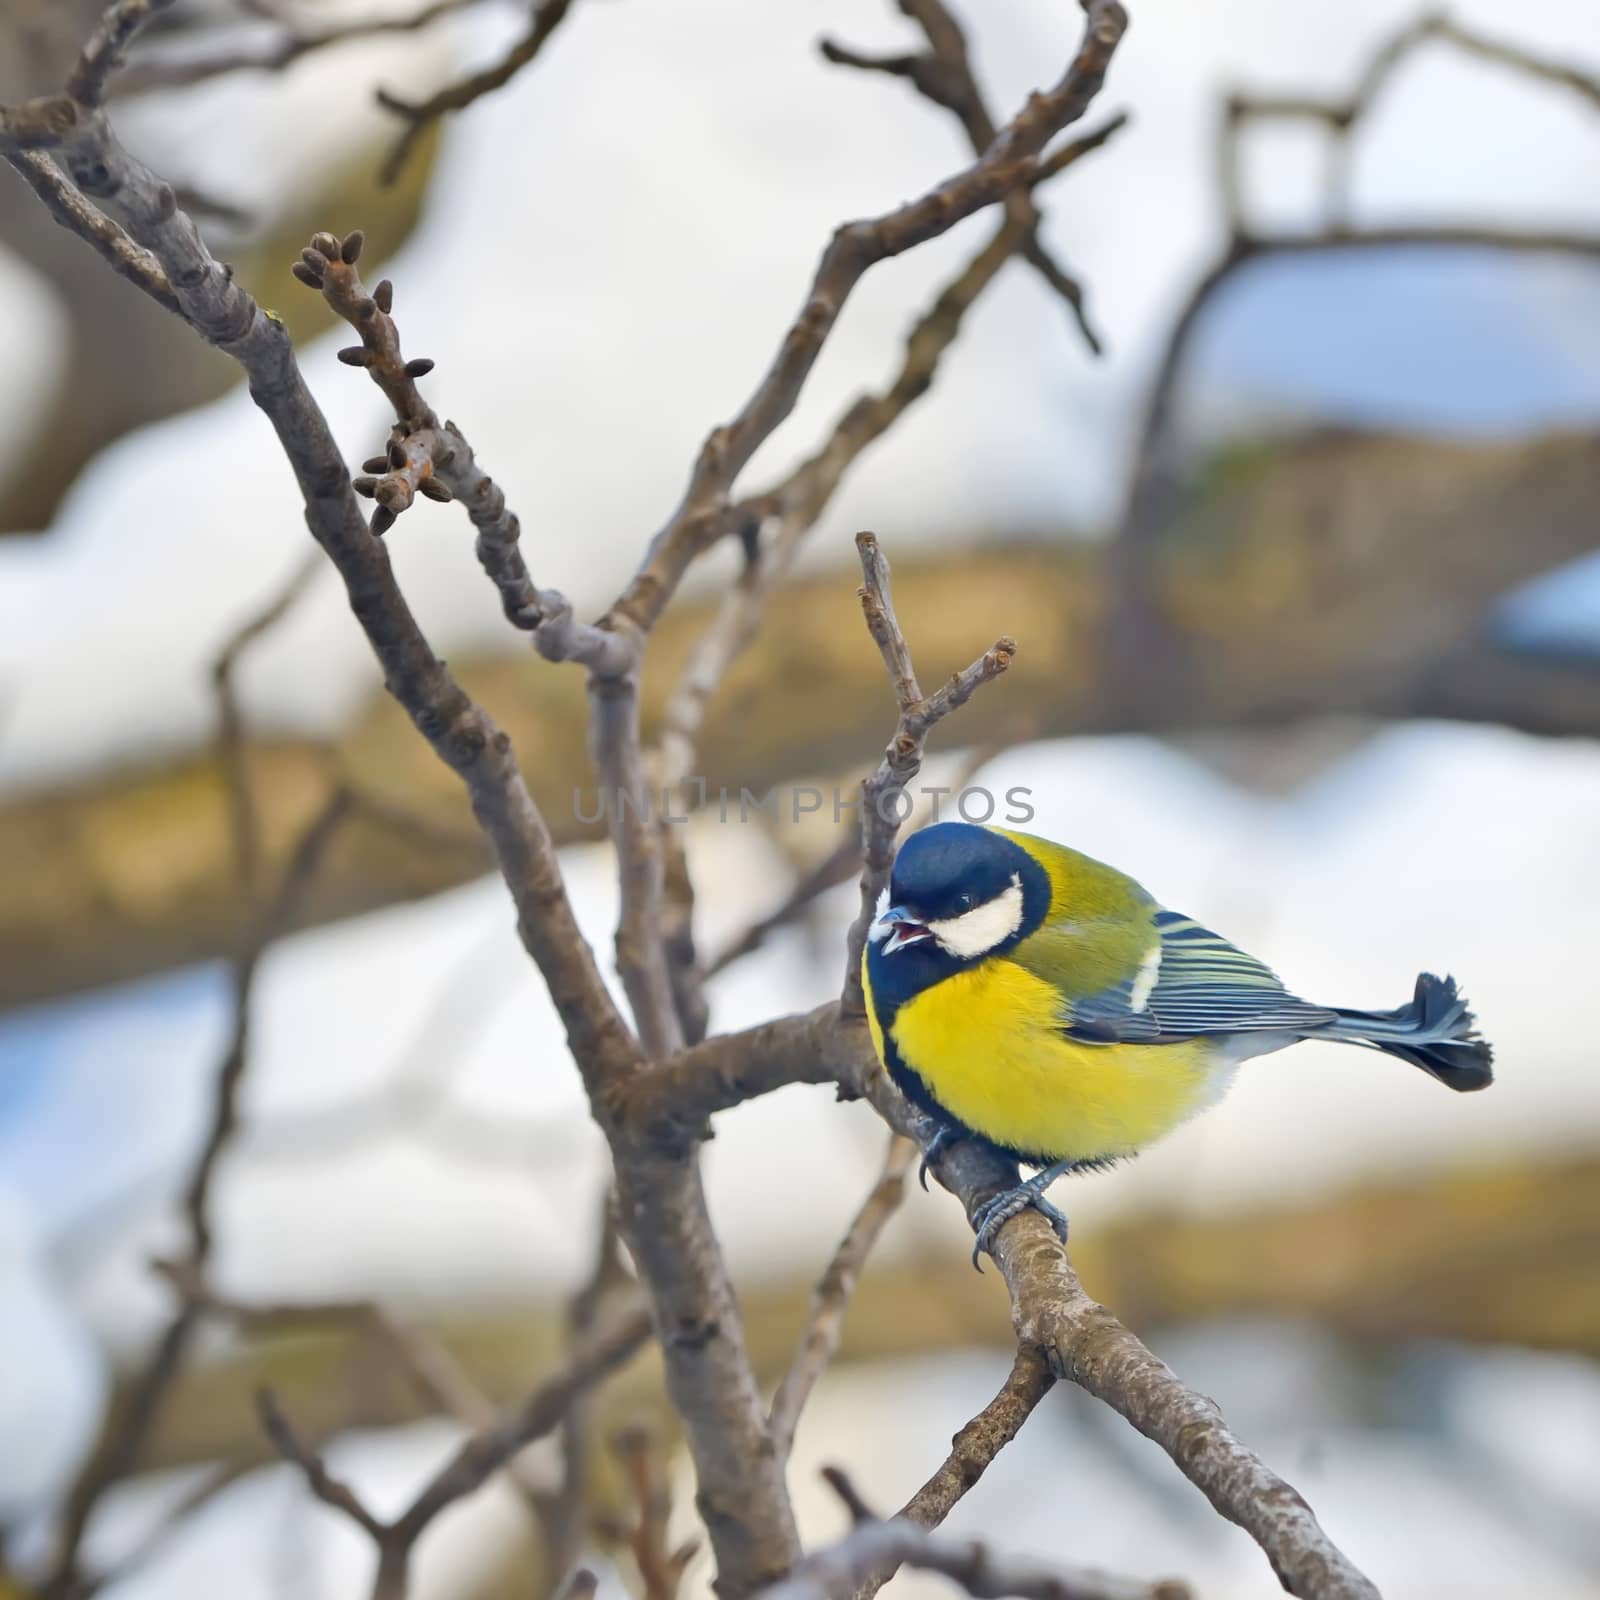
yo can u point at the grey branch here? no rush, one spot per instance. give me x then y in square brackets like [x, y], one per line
[841, 1569]
[661, 1563]
[902, 760]
[473, 1463]
[1083, 1342]
[1140, 647]
[972, 1452]
[944, 75]
[1055, 1321]
[661, 1202]
[661, 1205]
[824, 1328]
[419, 115]
[177, 69]
[1010, 162]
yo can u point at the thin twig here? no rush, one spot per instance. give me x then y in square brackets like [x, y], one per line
[562, 1512]
[244, 828]
[119, 1448]
[839, 1570]
[179, 69]
[419, 115]
[433, 459]
[1011, 161]
[74, 213]
[944, 75]
[902, 759]
[973, 1451]
[776, 522]
[1140, 648]
[331, 1491]
[660, 1563]
[471, 1465]
[777, 518]
[843, 862]
[436, 1374]
[661, 1199]
[824, 1328]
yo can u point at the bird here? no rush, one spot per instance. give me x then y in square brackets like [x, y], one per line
[1044, 1003]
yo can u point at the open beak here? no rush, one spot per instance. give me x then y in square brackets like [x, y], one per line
[897, 928]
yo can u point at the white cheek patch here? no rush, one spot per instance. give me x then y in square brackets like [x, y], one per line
[1145, 980]
[878, 930]
[978, 931]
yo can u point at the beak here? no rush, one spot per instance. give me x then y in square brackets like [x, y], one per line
[897, 928]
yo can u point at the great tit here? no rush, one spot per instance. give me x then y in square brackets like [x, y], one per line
[1032, 997]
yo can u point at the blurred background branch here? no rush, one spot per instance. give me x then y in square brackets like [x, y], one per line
[1257, 586]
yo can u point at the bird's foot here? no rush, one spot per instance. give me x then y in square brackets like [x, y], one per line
[936, 1147]
[994, 1214]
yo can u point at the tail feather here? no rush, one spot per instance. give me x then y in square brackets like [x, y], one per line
[1434, 1031]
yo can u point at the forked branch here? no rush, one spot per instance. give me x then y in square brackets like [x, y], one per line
[481, 1455]
[841, 1569]
[902, 760]
[825, 1324]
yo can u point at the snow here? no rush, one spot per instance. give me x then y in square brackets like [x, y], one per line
[600, 278]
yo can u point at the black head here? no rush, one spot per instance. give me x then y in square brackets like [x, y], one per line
[958, 895]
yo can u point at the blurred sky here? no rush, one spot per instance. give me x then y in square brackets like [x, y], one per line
[600, 281]
[602, 274]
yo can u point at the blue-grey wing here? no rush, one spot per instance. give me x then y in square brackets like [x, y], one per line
[1192, 983]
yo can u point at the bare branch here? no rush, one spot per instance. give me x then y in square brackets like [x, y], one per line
[977, 1444]
[902, 760]
[819, 1343]
[742, 1495]
[1141, 646]
[1340, 116]
[944, 75]
[671, 1100]
[102, 55]
[661, 1001]
[118, 1449]
[331, 1491]
[661, 1565]
[74, 213]
[437, 1375]
[477, 1459]
[775, 523]
[245, 827]
[420, 454]
[427, 457]
[973, 1451]
[562, 1512]
[1082, 1341]
[486, 1452]
[1009, 162]
[842, 1568]
[180, 69]
[1506, 54]
[548, 15]
[746, 1507]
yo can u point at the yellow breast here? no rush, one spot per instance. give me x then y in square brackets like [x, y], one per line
[987, 1043]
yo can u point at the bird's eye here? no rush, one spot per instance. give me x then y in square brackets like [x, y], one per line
[964, 902]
